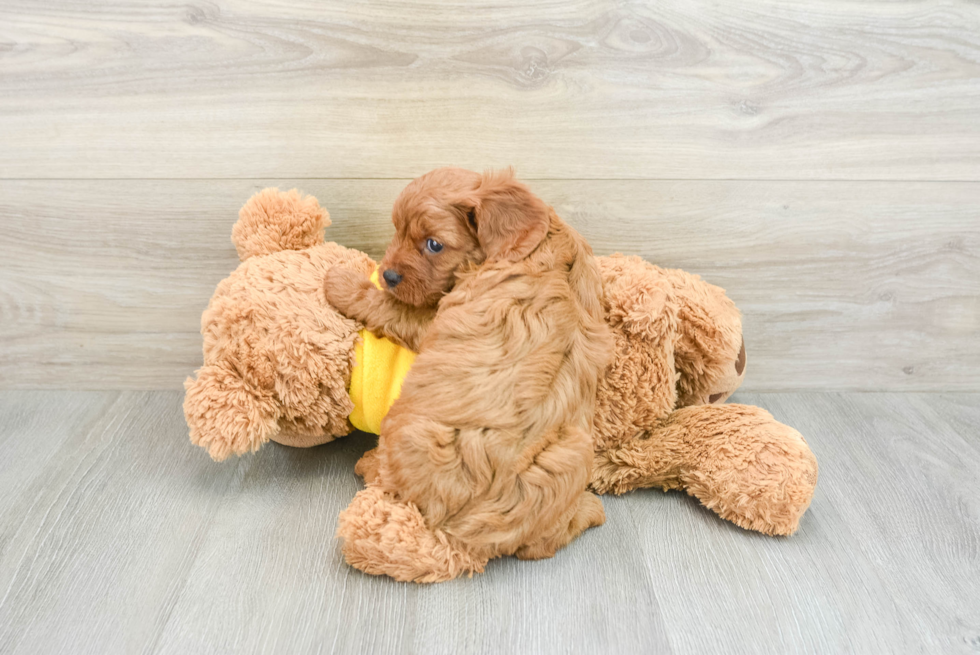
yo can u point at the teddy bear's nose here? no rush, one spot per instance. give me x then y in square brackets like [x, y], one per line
[391, 277]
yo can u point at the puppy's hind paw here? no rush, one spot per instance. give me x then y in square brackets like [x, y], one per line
[384, 536]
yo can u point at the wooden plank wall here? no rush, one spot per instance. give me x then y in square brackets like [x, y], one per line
[819, 161]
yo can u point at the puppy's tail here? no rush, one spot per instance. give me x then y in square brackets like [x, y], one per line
[274, 220]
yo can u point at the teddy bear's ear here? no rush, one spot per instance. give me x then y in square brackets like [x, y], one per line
[274, 220]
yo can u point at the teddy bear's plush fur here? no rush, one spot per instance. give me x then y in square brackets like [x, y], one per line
[278, 360]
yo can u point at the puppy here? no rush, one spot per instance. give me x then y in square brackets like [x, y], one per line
[490, 440]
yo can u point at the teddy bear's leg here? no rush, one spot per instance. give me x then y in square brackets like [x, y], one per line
[384, 536]
[587, 513]
[226, 415]
[709, 350]
[736, 459]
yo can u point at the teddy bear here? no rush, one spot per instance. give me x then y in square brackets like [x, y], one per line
[282, 365]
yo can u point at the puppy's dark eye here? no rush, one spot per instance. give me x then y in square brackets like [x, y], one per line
[433, 246]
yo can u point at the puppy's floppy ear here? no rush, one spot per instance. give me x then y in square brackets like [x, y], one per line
[509, 220]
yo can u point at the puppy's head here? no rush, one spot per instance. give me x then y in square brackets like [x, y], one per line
[451, 218]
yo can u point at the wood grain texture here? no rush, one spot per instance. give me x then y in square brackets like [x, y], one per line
[119, 536]
[842, 285]
[767, 89]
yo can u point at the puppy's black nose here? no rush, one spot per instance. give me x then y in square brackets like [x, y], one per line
[391, 277]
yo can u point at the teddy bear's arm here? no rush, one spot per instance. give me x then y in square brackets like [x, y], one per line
[356, 297]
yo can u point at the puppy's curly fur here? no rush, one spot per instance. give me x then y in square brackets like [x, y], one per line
[489, 449]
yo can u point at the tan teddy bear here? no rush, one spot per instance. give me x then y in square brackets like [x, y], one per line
[279, 364]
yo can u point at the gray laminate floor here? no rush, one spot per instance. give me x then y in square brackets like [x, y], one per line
[118, 536]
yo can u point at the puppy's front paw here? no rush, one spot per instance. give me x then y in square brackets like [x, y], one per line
[342, 286]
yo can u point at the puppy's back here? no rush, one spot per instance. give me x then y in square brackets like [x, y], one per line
[507, 378]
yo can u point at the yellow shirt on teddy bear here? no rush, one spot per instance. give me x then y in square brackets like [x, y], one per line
[377, 376]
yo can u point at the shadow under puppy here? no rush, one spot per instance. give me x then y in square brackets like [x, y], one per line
[489, 448]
